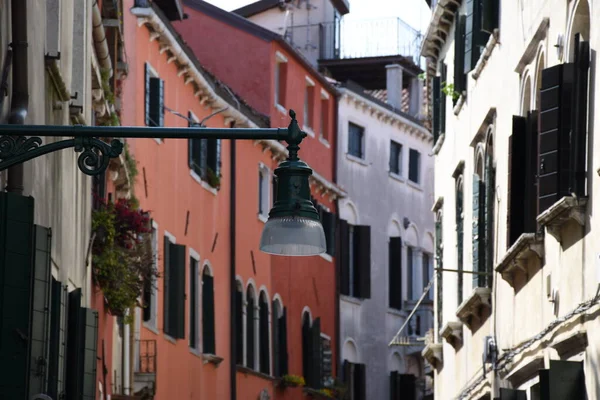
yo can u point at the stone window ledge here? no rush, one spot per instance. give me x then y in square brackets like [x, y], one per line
[487, 52]
[528, 245]
[433, 354]
[564, 210]
[570, 343]
[460, 103]
[440, 142]
[469, 310]
[522, 371]
[452, 332]
[211, 358]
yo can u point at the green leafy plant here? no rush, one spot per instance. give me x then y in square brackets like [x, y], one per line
[448, 90]
[108, 93]
[122, 257]
[292, 381]
[422, 76]
[213, 179]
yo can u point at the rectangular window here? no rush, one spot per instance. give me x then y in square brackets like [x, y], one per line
[356, 260]
[280, 80]
[193, 303]
[204, 157]
[263, 191]
[395, 158]
[410, 273]
[356, 140]
[309, 104]
[324, 117]
[154, 98]
[414, 166]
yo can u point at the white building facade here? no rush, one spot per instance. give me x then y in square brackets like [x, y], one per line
[513, 92]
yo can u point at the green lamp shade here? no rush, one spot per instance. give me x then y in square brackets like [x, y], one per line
[293, 236]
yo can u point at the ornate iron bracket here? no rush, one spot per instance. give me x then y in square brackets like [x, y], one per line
[93, 160]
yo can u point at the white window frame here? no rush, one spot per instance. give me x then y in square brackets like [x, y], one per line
[308, 117]
[153, 74]
[324, 98]
[279, 59]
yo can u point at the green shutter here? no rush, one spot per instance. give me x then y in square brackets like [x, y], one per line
[90, 333]
[478, 231]
[263, 327]
[315, 354]
[490, 198]
[394, 386]
[459, 54]
[239, 334]
[16, 255]
[459, 240]
[40, 319]
[408, 386]
[306, 348]
[283, 352]
[249, 331]
[156, 105]
[147, 76]
[275, 327]
[436, 93]
[166, 287]
[208, 314]
[55, 339]
[580, 111]
[193, 302]
[475, 37]
[362, 235]
[531, 178]
[177, 290]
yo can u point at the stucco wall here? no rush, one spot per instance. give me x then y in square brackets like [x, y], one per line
[377, 199]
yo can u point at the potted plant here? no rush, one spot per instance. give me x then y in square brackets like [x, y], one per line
[291, 381]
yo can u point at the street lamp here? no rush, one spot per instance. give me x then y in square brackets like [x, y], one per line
[293, 228]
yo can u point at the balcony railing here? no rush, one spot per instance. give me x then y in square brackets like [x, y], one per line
[147, 357]
[357, 39]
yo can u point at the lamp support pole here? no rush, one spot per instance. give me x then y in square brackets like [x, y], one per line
[20, 143]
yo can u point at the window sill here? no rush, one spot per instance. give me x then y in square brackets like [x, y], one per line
[487, 52]
[453, 333]
[324, 141]
[281, 109]
[433, 354]
[249, 371]
[159, 141]
[564, 210]
[351, 299]
[438, 144]
[461, 102]
[357, 160]
[170, 338]
[202, 183]
[397, 313]
[414, 185]
[326, 256]
[211, 358]
[308, 131]
[396, 177]
[470, 309]
[195, 352]
[263, 218]
[151, 328]
[516, 258]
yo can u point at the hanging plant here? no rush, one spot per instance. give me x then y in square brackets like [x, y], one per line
[122, 255]
[448, 90]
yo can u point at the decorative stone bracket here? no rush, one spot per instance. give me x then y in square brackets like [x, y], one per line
[564, 210]
[452, 332]
[433, 354]
[528, 245]
[469, 310]
[213, 359]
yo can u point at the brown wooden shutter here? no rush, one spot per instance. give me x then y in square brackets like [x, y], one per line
[344, 259]
[555, 128]
[177, 290]
[363, 258]
[531, 178]
[395, 273]
[516, 178]
[579, 118]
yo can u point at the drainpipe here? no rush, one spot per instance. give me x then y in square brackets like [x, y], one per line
[337, 247]
[233, 283]
[20, 87]
[100, 43]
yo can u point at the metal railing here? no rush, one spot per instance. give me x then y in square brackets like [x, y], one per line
[357, 39]
[147, 356]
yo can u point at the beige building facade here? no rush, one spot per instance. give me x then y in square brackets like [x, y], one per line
[513, 89]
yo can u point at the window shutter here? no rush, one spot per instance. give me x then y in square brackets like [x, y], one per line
[56, 315]
[394, 383]
[439, 274]
[344, 259]
[363, 258]
[75, 347]
[328, 220]
[167, 315]
[347, 372]
[475, 37]
[156, 111]
[580, 107]
[531, 180]
[264, 337]
[360, 382]
[208, 314]
[554, 135]
[147, 76]
[511, 394]
[239, 334]
[408, 386]
[436, 93]
[276, 326]
[395, 272]
[40, 318]
[147, 300]
[177, 290]
[283, 353]
[459, 54]
[478, 232]
[516, 178]
[544, 375]
[89, 331]
[316, 356]
[564, 380]
[16, 252]
[490, 197]
[460, 240]
[443, 103]
[250, 334]
[489, 15]
[306, 349]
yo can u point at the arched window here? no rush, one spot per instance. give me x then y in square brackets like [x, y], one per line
[208, 312]
[280, 356]
[580, 24]
[239, 323]
[250, 334]
[263, 334]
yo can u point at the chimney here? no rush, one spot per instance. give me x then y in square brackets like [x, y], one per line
[394, 85]
[415, 95]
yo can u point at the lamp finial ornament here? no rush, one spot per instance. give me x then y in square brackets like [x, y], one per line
[294, 137]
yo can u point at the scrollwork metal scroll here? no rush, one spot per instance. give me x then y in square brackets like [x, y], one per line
[93, 160]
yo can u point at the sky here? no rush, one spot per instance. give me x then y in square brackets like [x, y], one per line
[414, 12]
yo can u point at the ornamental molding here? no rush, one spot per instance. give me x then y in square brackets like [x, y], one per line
[516, 259]
[470, 309]
[566, 209]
